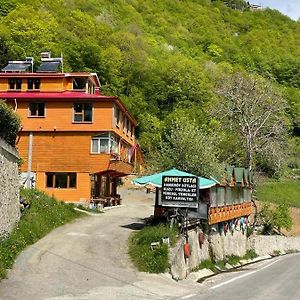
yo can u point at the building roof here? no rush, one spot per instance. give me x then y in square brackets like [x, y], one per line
[52, 95]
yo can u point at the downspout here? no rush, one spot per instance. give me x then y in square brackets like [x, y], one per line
[29, 167]
[16, 104]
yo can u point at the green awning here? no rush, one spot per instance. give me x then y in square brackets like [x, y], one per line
[156, 179]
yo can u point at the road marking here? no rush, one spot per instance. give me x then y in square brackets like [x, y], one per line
[244, 275]
[188, 296]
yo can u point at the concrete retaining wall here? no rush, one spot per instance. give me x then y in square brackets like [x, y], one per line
[231, 243]
[9, 188]
[181, 266]
[220, 245]
[264, 245]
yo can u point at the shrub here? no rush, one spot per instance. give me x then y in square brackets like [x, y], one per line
[146, 259]
[275, 219]
[250, 254]
[9, 124]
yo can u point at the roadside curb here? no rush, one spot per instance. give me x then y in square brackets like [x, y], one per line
[89, 213]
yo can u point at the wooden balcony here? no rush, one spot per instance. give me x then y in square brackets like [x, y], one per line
[229, 212]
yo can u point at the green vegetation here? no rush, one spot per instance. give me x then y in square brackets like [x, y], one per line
[287, 191]
[207, 264]
[275, 219]
[166, 59]
[151, 260]
[43, 215]
[233, 260]
[9, 124]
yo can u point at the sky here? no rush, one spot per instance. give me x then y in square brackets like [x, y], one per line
[290, 8]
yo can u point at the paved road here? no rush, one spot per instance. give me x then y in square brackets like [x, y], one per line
[87, 259]
[276, 279]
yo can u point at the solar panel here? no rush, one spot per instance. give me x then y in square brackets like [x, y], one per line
[17, 67]
[49, 66]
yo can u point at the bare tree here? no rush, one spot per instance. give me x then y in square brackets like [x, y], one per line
[254, 108]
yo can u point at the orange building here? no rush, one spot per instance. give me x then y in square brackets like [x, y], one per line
[75, 143]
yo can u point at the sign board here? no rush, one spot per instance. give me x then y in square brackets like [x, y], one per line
[180, 191]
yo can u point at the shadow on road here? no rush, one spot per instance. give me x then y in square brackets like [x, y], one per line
[134, 226]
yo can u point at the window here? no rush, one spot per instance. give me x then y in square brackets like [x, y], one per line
[124, 123]
[79, 83]
[37, 109]
[105, 143]
[15, 83]
[61, 180]
[33, 84]
[117, 116]
[128, 154]
[127, 126]
[82, 112]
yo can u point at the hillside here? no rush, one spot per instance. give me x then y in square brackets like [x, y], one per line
[165, 60]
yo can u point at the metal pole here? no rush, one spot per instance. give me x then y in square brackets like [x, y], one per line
[28, 182]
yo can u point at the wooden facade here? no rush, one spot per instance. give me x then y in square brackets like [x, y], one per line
[72, 138]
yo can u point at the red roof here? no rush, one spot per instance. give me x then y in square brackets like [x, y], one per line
[52, 95]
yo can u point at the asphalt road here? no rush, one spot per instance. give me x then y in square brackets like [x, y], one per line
[276, 279]
[87, 259]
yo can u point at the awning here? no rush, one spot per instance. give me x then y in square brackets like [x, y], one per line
[156, 179]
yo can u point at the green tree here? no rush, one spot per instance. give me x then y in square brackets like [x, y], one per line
[275, 219]
[187, 147]
[27, 32]
[9, 124]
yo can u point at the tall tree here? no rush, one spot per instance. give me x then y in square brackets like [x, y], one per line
[188, 147]
[254, 108]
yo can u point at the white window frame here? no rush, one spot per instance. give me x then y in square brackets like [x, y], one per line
[112, 142]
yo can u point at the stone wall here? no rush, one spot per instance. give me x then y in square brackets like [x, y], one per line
[218, 246]
[181, 266]
[9, 188]
[266, 244]
[231, 243]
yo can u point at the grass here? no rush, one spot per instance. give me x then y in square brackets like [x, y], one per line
[219, 266]
[43, 215]
[146, 259]
[278, 192]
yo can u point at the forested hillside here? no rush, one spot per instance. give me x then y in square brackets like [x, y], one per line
[175, 64]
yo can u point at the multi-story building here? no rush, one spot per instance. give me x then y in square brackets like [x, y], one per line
[75, 142]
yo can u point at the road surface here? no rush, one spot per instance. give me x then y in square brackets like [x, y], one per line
[87, 259]
[276, 279]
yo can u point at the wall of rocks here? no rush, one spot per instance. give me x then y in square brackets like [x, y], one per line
[9, 188]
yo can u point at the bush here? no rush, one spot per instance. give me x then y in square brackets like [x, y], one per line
[9, 124]
[43, 215]
[273, 220]
[147, 260]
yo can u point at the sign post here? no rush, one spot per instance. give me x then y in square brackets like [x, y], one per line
[180, 191]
